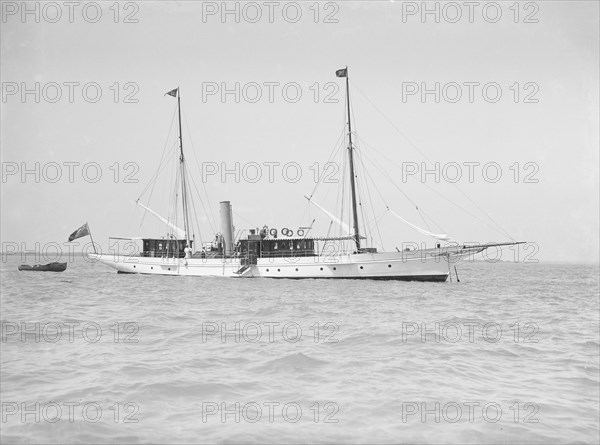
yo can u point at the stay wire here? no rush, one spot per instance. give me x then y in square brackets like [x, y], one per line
[414, 146]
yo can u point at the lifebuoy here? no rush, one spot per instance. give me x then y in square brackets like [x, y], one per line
[300, 234]
[287, 232]
[273, 233]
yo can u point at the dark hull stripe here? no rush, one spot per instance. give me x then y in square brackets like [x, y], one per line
[429, 278]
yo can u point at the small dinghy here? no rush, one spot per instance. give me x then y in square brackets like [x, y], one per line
[50, 267]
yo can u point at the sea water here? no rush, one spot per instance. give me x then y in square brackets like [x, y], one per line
[508, 354]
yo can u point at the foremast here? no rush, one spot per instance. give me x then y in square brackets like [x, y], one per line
[184, 197]
[344, 73]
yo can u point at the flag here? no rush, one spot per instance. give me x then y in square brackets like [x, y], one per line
[172, 92]
[342, 73]
[82, 231]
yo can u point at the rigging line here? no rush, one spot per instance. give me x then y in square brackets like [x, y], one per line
[178, 198]
[466, 211]
[209, 215]
[387, 207]
[197, 223]
[365, 185]
[346, 196]
[335, 151]
[373, 181]
[155, 175]
[241, 217]
[338, 150]
[189, 199]
[360, 192]
[421, 212]
[379, 217]
[359, 185]
[341, 201]
[365, 209]
[346, 174]
[367, 177]
[203, 208]
[414, 146]
[177, 189]
[162, 156]
[346, 186]
[165, 163]
[212, 216]
[320, 176]
[383, 172]
[332, 154]
[173, 197]
[210, 223]
[212, 226]
[306, 210]
[172, 215]
[375, 222]
[447, 199]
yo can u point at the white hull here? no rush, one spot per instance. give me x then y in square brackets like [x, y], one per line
[426, 265]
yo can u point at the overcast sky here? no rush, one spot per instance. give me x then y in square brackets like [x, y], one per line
[541, 133]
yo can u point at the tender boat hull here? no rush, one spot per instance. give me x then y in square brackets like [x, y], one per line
[51, 267]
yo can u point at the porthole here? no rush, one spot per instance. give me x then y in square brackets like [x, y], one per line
[361, 267]
[296, 269]
[334, 268]
[151, 267]
[134, 266]
[321, 268]
[267, 270]
[278, 270]
[389, 265]
[169, 268]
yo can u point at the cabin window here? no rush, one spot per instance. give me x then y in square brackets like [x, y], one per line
[284, 248]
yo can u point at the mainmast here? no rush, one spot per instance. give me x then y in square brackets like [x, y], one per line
[186, 224]
[344, 73]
